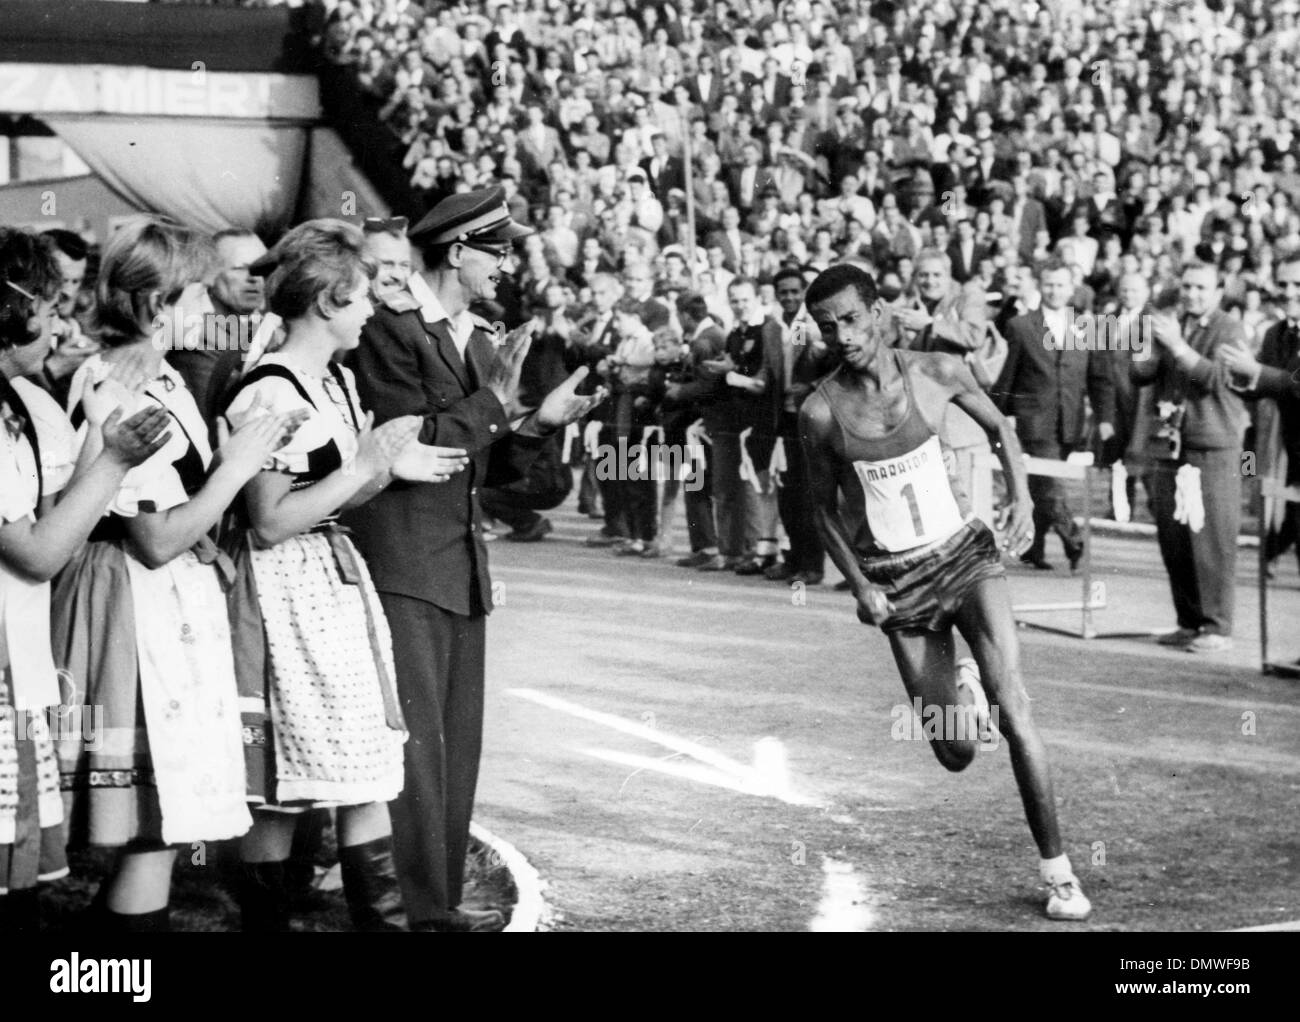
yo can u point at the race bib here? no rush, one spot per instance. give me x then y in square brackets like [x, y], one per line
[909, 500]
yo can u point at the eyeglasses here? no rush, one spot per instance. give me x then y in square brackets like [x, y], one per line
[502, 254]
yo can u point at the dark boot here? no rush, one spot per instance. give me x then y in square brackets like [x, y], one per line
[263, 898]
[370, 883]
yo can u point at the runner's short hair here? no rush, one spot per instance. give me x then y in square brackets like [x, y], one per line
[841, 277]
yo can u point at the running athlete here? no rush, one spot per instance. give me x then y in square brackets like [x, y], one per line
[916, 559]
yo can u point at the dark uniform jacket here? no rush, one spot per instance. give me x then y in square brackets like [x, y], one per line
[424, 540]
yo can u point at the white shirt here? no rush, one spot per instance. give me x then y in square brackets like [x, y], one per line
[460, 327]
[1057, 321]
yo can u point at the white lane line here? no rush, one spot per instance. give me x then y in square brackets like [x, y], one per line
[844, 907]
[670, 767]
[1292, 927]
[767, 777]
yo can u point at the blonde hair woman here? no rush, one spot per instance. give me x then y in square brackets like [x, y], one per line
[324, 725]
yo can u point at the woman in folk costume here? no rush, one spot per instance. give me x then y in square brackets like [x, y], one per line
[321, 718]
[37, 538]
[139, 619]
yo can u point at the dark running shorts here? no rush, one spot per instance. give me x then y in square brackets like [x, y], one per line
[928, 586]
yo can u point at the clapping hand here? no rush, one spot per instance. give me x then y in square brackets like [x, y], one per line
[379, 447]
[564, 405]
[912, 319]
[133, 441]
[248, 448]
[119, 389]
[423, 463]
[1241, 364]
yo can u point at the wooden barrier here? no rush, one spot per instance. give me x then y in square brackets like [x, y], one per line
[1094, 590]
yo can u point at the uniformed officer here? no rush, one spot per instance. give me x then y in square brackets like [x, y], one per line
[424, 353]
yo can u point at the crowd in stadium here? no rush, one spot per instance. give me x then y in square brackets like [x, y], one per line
[1121, 142]
[1005, 171]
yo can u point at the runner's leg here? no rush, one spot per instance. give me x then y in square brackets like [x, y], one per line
[927, 663]
[986, 623]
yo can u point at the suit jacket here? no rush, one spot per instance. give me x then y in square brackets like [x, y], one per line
[1044, 389]
[962, 270]
[1279, 360]
[1033, 219]
[671, 175]
[696, 397]
[1216, 413]
[425, 540]
[708, 98]
[781, 90]
[539, 157]
[761, 180]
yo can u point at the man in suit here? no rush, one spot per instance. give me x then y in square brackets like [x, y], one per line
[1028, 220]
[775, 87]
[664, 172]
[687, 400]
[598, 341]
[984, 173]
[1043, 385]
[423, 353]
[706, 84]
[965, 253]
[539, 144]
[1200, 421]
[746, 182]
[731, 239]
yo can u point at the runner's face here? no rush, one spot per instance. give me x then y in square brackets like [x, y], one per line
[850, 329]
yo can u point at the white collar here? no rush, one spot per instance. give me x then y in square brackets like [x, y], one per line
[433, 312]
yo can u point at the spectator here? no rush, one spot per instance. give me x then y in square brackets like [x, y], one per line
[216, 358]
[1200, 423]
[803, 363]
[1043, 384]
[71, 346]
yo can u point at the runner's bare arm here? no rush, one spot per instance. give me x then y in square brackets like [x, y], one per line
[814, 432]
